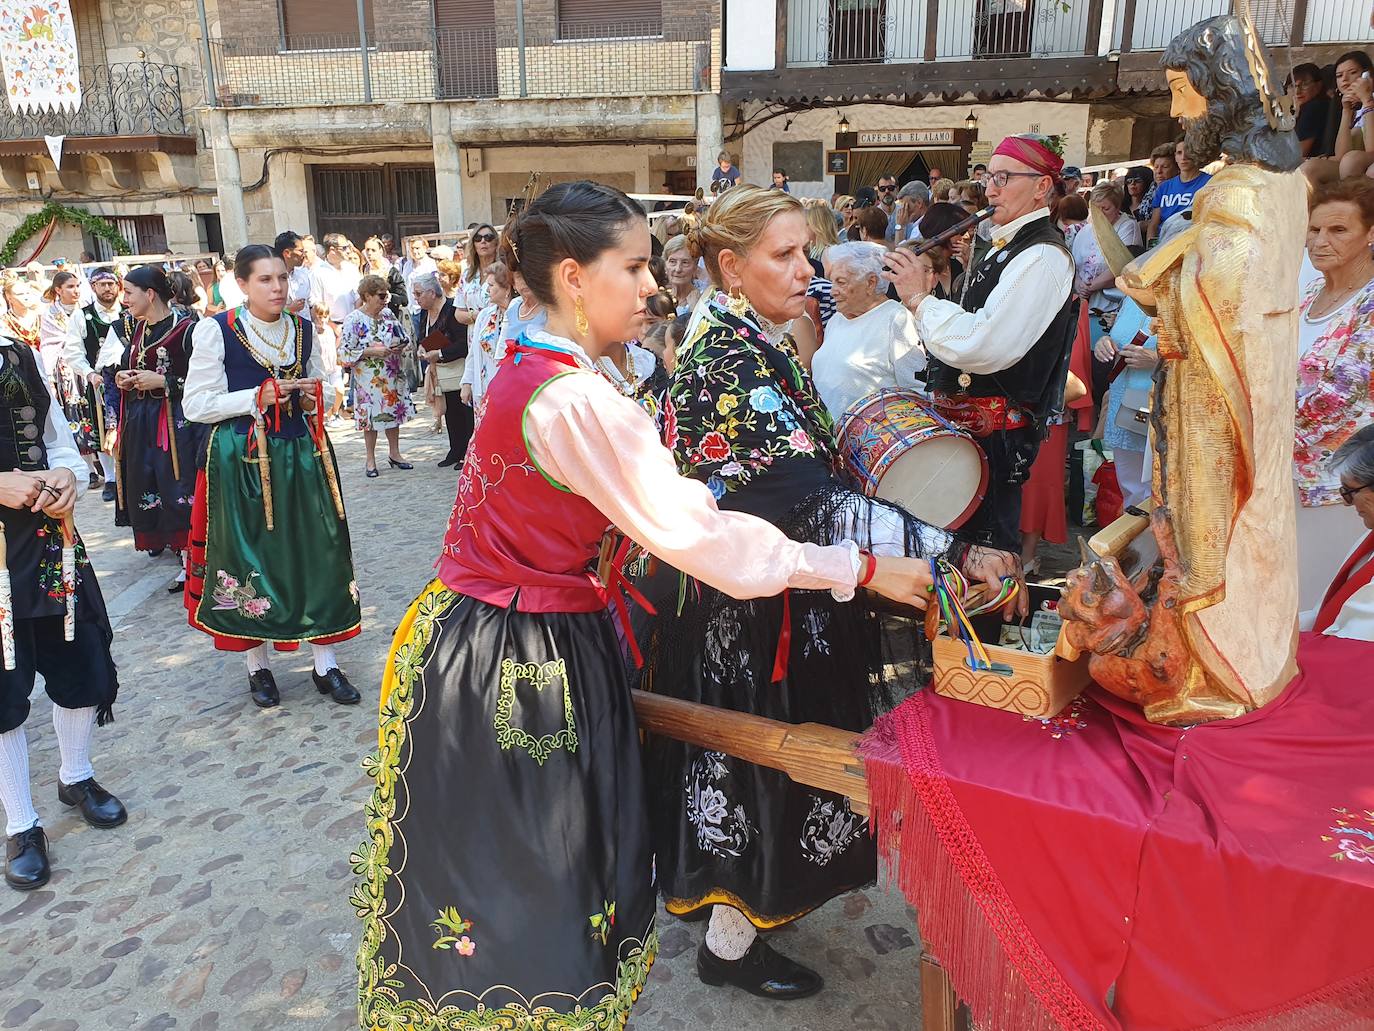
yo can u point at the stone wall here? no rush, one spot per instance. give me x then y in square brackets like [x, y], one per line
[167, 31]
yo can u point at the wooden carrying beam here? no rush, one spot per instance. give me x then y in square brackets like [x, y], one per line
[811, 754]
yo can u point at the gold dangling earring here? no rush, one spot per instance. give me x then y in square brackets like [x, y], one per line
[738, 303]
[580, 317]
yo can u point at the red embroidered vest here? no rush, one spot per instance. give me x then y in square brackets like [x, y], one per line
[514, 531]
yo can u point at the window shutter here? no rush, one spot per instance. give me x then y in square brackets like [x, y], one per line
[589, 19]
[464, 14]
[322, 25]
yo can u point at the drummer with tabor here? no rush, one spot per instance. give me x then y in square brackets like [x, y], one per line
[998, 361]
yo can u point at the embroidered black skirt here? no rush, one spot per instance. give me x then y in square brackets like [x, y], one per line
[156, 490]
[507, 866]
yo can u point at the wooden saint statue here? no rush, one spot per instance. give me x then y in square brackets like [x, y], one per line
[1208, 629]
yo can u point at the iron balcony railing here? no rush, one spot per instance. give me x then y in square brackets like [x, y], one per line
[579, 60]
[839, 32]
[134, 99]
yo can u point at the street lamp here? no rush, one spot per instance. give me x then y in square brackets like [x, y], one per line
[971, 121]
[844, 123]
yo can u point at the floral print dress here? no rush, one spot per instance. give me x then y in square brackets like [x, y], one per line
[743, 417]
[380, 398]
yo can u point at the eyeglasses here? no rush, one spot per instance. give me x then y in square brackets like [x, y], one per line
[1000, 179]
[891, 188]
[1348, 493]
[484, 238]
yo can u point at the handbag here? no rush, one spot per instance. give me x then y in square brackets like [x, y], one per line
[1134, 414]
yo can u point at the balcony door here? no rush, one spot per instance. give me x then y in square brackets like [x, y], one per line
[1003, 28]
[466, 43]
[856, 31]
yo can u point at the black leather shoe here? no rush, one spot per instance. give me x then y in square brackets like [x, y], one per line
[371, 473]
[264, 688]
[399, 465]
[335, 684]
[26, 860]
[93, 481]
[761, 972]
[450, 460]
[108, 494]
[99, 808]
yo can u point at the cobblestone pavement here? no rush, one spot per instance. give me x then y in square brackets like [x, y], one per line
[222, 905]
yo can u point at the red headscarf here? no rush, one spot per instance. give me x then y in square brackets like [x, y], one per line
[1031, 152]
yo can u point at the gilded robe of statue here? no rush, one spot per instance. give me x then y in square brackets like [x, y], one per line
[1226, 294]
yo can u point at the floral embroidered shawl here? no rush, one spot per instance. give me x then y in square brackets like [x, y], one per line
[1333, 394]
[744, 417]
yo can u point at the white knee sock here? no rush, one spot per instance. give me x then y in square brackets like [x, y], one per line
[729, 934]
[257, 658]
[107, 466]
[15, 795]
[74, 728]
[324, 658]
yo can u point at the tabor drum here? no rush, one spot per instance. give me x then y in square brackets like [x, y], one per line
[900, 449]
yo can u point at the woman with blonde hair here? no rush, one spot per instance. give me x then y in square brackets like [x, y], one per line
[745, 419]
[481, 252]
[845, 208]
[942, 191]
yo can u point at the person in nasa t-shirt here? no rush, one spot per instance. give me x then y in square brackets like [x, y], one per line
[1176, 194]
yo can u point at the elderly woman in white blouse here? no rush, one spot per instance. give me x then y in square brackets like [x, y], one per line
[871, 340]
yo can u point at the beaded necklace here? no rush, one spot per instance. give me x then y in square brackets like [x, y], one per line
[26, 334]
[140, 347]
[290, 335]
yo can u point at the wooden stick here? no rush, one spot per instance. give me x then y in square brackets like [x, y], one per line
[69, 578]
[264, 471]
[6, 604]
[98, 392]
[323, 453]
[171, 435]
[811, 754]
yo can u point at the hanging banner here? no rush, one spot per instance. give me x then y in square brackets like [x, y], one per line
[55, 149]
[38, 51]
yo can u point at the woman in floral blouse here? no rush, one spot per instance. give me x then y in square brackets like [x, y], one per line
[374, 344]
[743, 416]
[1335, 359]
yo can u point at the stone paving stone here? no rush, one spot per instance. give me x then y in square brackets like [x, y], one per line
[222, 905]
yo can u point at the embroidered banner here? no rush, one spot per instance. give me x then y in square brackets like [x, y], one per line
[38, 49]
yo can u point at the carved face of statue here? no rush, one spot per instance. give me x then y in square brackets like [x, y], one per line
[1185, 102]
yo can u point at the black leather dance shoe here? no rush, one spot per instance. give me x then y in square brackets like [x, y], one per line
[336, 685]
[761, 972]
[99, 808]
[264, 689]
[399, 465]
[26, 860]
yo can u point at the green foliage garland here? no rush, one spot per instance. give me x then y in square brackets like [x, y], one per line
[93, 224]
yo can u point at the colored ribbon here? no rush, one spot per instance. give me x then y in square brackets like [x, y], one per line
[617, 586]
[784, 653]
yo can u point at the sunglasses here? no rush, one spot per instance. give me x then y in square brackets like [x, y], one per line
[887, 189]
[485, 238]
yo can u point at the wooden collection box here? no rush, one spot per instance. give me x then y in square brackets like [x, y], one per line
[1022, 681]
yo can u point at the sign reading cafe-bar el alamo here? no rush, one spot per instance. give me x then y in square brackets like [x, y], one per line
[917, 136]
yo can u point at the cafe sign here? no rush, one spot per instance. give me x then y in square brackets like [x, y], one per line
[906, 136]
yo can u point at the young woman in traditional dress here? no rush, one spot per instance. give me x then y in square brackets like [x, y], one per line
[23, 309]
[507, 879]
[745, 843]
[95, 346]
[57, 323]
[155, 460]
[270, 552]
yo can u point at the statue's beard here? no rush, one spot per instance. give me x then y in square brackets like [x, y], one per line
[1202, 138]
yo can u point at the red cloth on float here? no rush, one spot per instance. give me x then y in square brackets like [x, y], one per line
[1220, 877]
[1042, 498]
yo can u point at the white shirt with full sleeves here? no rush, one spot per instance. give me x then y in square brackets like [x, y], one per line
[207, 398]
[877, 349]
[111, 348]
[1031, 291]
[582, 433]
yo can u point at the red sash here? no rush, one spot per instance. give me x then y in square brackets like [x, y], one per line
[1357, 572]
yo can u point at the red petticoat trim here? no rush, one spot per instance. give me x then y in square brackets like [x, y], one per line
[968, 920]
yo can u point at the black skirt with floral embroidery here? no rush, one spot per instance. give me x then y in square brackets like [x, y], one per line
[507, 879]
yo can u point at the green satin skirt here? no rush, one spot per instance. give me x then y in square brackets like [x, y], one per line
[291, 583]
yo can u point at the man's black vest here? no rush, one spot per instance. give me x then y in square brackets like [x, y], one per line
[1035, 383]
[94, 329]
